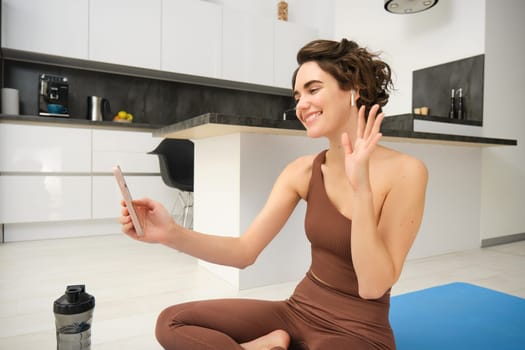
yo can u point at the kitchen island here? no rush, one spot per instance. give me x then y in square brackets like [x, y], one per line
[237, 160]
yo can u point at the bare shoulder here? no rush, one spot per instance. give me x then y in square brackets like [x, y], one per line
[400, 167]
[303, 163]
[298, 173]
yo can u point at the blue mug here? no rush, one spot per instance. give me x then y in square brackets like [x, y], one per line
[56, 109]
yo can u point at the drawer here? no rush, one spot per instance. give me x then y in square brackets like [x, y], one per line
[34, 148]
[44, 198]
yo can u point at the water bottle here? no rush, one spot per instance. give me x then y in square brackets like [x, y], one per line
[73, 315]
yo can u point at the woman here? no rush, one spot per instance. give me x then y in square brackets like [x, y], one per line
[364, 208]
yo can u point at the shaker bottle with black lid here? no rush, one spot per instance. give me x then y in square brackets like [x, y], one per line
[73, 315]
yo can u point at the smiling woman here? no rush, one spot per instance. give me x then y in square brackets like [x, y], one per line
[364, 208]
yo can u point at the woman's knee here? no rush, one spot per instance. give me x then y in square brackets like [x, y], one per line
[166, 322]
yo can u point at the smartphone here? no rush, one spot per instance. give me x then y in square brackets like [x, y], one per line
[127, 197]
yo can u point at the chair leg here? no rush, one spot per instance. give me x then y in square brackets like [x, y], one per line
[186, 199]
[188, 219]
[185, 218]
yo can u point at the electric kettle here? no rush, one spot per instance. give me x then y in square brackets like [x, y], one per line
[97, 108]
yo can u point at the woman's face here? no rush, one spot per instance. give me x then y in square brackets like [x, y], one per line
[322, 107]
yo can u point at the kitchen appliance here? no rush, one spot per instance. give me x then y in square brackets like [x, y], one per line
[53, 96]
[73, 315]
[97, 108]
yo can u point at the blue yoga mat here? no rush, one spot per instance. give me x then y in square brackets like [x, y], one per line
[458, 316]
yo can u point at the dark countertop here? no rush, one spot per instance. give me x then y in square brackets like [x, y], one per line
[215, 124]
[75, 122]
[406, 121]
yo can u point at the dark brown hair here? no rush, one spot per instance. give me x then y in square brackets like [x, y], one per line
[353, 67]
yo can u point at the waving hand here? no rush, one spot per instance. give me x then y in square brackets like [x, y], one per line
[357, 156]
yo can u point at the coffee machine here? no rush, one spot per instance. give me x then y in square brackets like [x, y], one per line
[53, 96]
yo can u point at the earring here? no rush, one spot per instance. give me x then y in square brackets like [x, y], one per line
[352, 100]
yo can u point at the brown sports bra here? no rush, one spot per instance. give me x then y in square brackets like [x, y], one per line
[329, 234]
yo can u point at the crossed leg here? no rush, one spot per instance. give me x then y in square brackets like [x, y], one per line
[224, 324]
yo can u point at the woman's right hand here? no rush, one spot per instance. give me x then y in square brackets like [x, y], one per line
[157, 223]
[357, 155]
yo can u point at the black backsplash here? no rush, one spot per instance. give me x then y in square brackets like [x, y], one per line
[431, 87]
[151, 101]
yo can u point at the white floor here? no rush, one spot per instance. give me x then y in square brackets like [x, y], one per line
[133, 282]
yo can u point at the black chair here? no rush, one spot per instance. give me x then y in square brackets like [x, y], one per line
[176, 160]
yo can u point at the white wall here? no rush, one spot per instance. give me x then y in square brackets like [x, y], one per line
[450, 31]
[503, 181]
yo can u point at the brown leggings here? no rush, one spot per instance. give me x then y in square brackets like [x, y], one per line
[316, 317]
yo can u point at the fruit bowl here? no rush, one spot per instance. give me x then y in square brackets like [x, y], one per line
[123, 117]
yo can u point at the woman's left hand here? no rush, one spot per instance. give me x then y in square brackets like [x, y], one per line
[357, 156]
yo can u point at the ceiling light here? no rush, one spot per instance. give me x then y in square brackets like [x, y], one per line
[408, 6]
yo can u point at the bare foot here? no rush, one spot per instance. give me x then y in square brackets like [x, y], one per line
[269, 341]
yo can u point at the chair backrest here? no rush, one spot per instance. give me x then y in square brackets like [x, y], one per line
[176, 159]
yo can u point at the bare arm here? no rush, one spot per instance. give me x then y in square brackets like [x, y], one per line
[233, 251]
[380, 245]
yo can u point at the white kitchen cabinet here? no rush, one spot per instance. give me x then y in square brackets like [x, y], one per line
[54, 173]
[56, 27]
[45, 173]
[44, 149]
[247, 47]
[125, 32]
[129, 149]
[107, 196]
[37, 198]
[289, 38]
[191, 37]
